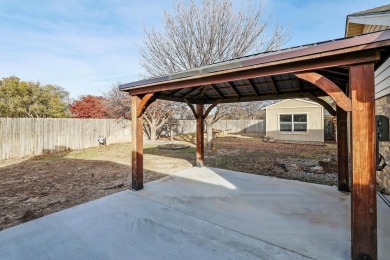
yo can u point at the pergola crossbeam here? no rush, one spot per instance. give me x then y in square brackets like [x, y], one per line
[268, 97]
[192, 92]
[178, 91]
[259, 71]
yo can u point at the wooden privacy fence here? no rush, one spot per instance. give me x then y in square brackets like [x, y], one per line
[245, 126]
[22, 137]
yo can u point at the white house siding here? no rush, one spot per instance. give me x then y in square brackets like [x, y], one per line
[382, 80]
[382, 74]
[315, 120]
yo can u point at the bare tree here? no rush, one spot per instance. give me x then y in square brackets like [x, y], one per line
[216, 114]
[158, 113]
[118, 103]
[197, 34]
[246, 110]
[253, 110]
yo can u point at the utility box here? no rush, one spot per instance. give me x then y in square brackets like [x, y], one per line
[382, 128]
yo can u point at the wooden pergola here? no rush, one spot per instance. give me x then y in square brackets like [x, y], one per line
[342, 69]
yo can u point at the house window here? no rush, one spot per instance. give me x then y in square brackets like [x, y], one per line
[293, 123]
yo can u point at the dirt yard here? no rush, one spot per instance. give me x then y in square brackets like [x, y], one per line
[42, 185]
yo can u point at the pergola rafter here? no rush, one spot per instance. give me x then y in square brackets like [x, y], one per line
[253, 86]
[342, 69]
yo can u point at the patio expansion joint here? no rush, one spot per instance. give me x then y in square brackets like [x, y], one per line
[218, 225]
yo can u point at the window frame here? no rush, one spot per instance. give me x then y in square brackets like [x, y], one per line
[293, 123]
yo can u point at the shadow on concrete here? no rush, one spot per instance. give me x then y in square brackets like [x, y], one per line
[285, 213]
[201, 213]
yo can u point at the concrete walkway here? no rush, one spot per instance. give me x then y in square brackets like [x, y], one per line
[200, 213]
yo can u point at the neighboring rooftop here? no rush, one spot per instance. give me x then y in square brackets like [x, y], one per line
[368, 21]
[380, 9]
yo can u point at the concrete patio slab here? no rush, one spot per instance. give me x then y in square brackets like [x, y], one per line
[200, 213]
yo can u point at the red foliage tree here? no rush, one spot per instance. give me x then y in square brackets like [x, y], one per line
[89, 107]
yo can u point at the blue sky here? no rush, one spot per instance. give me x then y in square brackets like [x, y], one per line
[86, 46]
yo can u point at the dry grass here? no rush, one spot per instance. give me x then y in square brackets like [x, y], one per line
[42, 185]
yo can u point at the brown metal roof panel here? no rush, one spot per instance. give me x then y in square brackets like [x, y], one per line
[319, 48]
[241, 82]
[144, 82]
[227, 91]
[244, 89]
[211, 92]
[263, 88]
[282, 77]
[267, 57]
[223, 85]
[230, 64]
[259, 80]
[185, 73]
[183, 92]
[287, 84]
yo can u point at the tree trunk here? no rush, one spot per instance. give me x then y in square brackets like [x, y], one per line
[153, 131]
[209, 135]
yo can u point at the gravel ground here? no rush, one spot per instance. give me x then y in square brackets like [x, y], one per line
[303, 162]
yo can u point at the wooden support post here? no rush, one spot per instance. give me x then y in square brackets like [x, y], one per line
[199, 135]
[137, 146]
[342, 150]
[363, 195]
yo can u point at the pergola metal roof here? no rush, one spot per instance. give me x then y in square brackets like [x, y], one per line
[202, 85]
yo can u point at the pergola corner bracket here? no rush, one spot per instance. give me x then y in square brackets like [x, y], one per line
[191, 107]
[211, 107]
[328, 87]
[146, 101]
[322, 102]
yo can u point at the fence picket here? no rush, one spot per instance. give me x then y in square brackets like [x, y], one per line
[22, 137]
